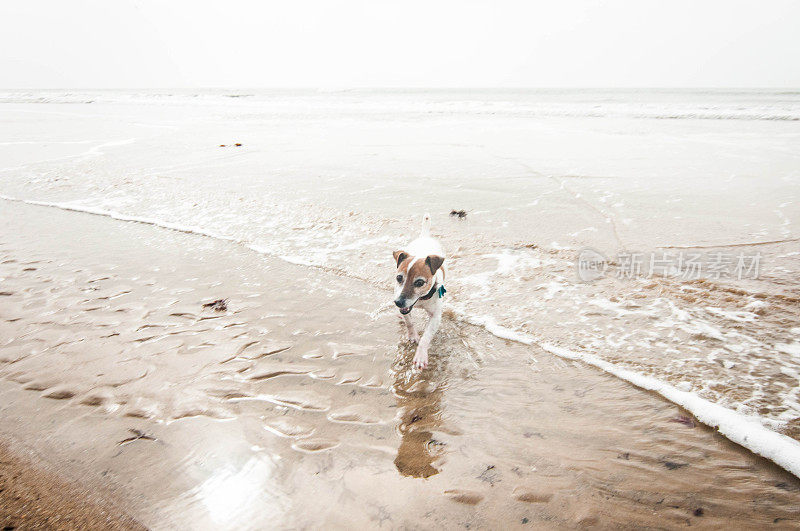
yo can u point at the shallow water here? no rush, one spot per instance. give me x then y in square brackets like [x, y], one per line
[339, 180]
[297, 406]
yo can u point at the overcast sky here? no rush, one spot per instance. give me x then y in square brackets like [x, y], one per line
[348, 43]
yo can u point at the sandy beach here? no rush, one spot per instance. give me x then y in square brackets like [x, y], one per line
[297, 406]
[33, 498]
[550, 402]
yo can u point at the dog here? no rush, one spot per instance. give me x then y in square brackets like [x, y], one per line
[419, 282]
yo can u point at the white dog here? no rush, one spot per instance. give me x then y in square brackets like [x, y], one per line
[420, 282]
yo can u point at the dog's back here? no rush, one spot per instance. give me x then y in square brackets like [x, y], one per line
[425, 245]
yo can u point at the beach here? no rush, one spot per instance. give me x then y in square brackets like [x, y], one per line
[33, 498]
[633, 397]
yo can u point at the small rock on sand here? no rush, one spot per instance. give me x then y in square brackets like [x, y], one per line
[219, 305]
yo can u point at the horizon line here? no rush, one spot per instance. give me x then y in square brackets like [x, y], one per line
[415, 87]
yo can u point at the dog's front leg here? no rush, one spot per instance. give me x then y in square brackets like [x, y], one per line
[421, 357]
[412, 332]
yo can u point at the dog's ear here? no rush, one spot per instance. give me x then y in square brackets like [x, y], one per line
[434, 262]
[399, 256]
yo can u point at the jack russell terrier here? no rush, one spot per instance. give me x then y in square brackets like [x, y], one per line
[420, 282]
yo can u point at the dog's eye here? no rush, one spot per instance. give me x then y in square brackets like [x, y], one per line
[419, 283]
[399, 278]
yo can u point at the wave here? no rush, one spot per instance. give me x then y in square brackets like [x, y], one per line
[747, 431]
[750, 431]
[658, 105]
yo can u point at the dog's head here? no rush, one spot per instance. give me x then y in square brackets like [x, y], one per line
[414, 278]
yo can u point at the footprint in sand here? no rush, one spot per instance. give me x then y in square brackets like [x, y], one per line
[356, 414]
[277, 370]
[267, 348]
[97, 398]
[60, 393]
[288, 427]
[314, 445]
[532, 495]
[307, 400]
[323, 374]
[349, 378]
[40, 384]
[468, 497]
[341, 350]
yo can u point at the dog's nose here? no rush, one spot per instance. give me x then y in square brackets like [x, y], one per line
[400, 302]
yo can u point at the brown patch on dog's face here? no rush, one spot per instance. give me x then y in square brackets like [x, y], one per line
[418, 280]
[415, 277]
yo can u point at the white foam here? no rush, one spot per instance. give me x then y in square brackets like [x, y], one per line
[790, 348]
[587, 229]
[756, 305]
[551, 288]
[748, 431]
[122, 217]
[488, 322]
[44, 142]
[94, 151]
[741, 317]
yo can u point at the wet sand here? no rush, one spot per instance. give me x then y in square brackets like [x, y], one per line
[338, 180]
[297, 406]
[33, 498]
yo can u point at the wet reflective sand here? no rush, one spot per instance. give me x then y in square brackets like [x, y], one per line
[297, 407]
[336, 180]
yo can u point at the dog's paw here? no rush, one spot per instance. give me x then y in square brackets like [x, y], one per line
[413, 338]
[421, 360]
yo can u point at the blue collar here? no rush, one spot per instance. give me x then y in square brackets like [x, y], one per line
[440, 290]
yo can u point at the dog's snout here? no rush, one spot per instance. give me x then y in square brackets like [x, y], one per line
[400, 302]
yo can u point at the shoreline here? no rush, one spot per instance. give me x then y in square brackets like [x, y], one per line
[495, 433]
[333, 198]
[750, 432]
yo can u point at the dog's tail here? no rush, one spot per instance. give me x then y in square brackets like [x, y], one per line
[426, 225]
